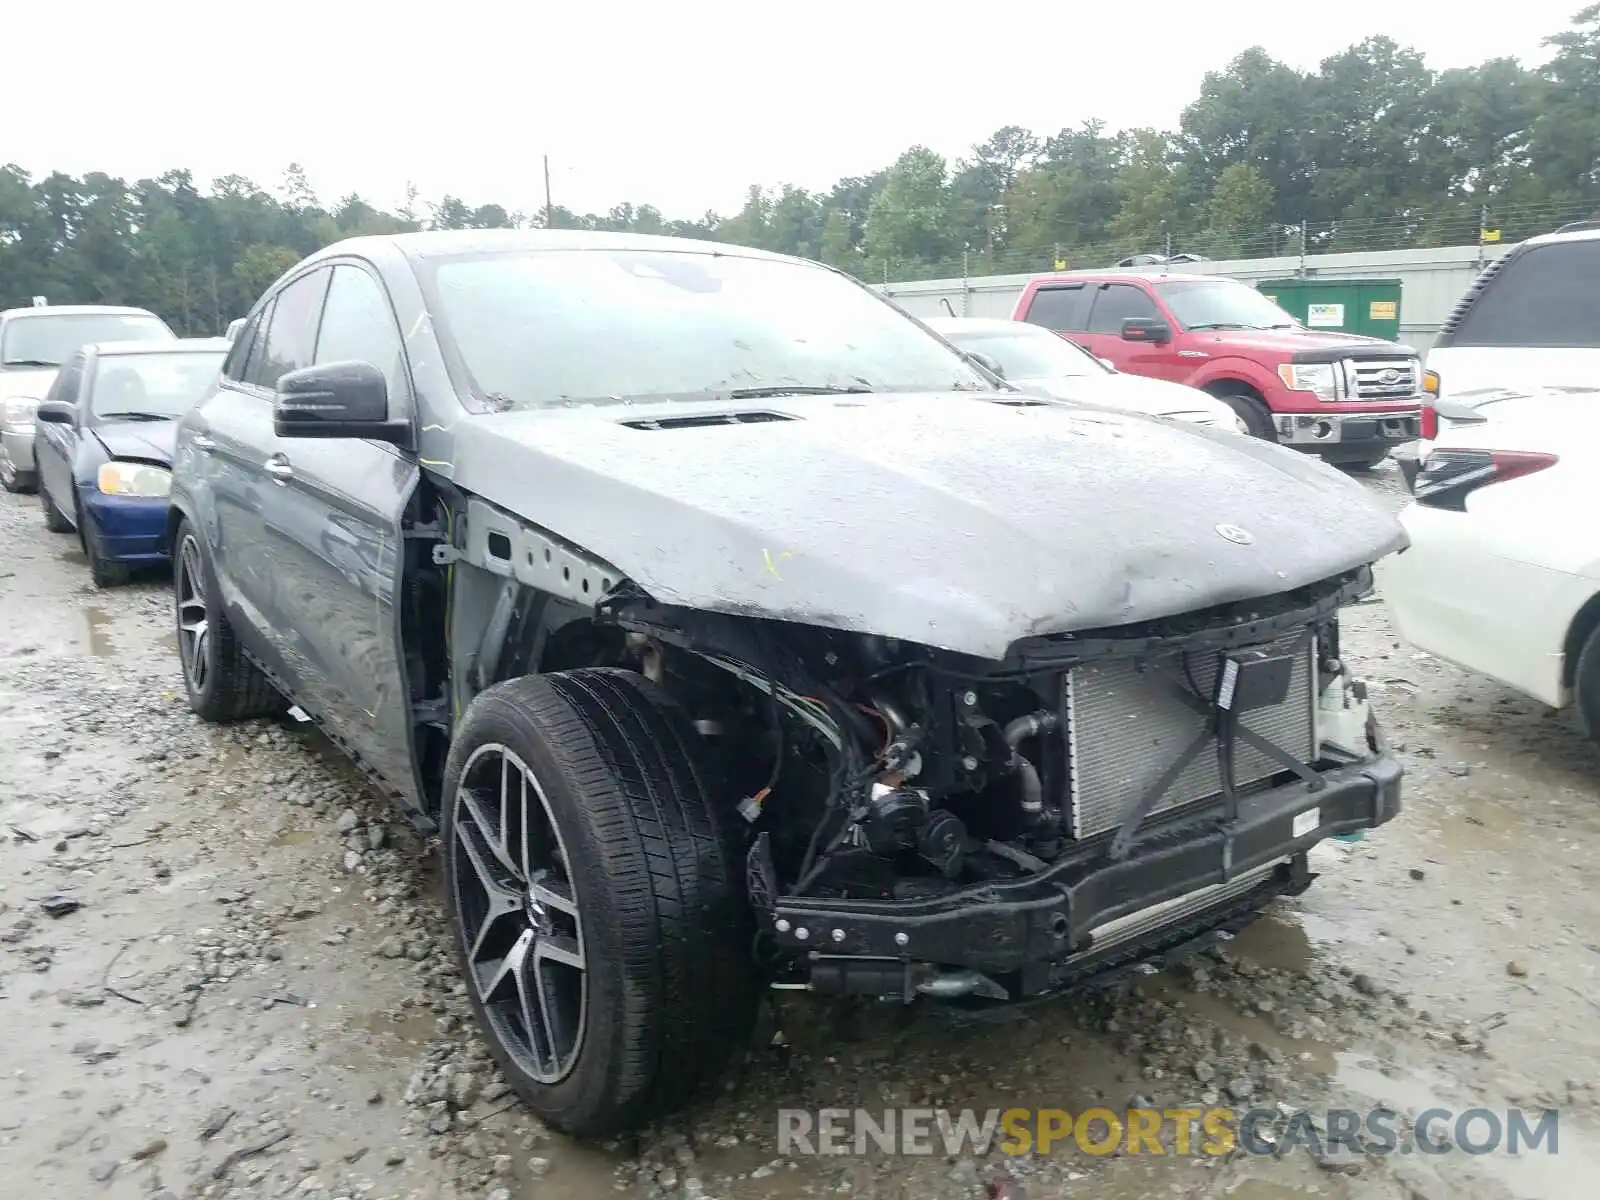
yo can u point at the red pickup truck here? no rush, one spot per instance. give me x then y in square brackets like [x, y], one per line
[1347, 398]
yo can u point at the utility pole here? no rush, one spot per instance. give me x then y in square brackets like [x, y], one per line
[547, 206]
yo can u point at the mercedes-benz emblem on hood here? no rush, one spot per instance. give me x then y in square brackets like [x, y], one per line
[1239, 537]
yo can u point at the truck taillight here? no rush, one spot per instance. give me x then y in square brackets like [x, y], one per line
[1448, 477]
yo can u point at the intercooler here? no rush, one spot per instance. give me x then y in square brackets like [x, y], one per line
[1127, 723]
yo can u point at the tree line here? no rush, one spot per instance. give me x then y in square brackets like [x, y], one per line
[1373, 150]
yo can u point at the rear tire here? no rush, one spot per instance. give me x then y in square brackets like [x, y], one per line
[643, 887]
[1251, 411]
[54, 519]
[1586, 686]
[221, 683]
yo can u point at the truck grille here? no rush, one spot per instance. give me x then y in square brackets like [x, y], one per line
[1126, 726]
[1381, 378]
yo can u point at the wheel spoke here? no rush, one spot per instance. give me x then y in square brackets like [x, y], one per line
[510, 972]
[493, 837]
[536, 1016]
[497, 890]
[517, 914]
[558, 949]
[549, 892]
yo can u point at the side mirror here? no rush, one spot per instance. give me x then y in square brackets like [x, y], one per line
[987, 363]
[1146, 329]
[337, 400]
[57, 412]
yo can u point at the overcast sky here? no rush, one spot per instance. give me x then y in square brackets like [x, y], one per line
[677, 104]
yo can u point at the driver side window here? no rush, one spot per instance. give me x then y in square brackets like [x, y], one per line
[1119, 302]
[68, 381]
[359, 326]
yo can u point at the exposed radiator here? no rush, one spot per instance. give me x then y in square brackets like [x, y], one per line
[1126, 727]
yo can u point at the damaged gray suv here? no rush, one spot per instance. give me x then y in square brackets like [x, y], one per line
[733, 632]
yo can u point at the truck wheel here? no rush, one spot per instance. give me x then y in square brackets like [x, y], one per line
[597, 895]
[1252, 412]
[54, 520]
[1361, 464]
[222, 684]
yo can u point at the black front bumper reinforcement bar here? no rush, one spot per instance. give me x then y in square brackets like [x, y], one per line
[1005, 926]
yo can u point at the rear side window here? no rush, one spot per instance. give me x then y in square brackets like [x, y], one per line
[1548, 296]
[1059, 307]
[292, 331]
[237, 363]
[1119, 302]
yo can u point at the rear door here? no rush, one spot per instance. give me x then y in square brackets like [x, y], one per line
[334, 536]
[1059, 307]
[239, 443]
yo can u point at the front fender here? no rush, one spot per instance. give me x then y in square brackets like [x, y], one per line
[1233, 369]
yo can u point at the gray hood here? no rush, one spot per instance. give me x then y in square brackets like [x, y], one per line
[940, 519]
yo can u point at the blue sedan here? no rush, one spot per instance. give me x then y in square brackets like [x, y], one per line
[103, 441]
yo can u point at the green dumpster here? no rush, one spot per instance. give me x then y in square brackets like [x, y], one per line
[1370, 307]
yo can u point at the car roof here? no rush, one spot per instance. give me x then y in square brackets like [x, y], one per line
[75, 310]
[1126, 277]
[176, 346]
[1572, 235]
[435, 243]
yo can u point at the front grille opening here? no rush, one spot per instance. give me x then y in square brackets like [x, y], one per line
[702, 420]
[1126, 726]
[1382, 378]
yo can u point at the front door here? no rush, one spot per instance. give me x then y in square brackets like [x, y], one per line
[333, 532]
[1112, 304]
[55, 446]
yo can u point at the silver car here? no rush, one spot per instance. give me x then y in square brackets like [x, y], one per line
[34, 342]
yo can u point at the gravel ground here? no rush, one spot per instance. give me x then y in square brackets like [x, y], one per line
[224, 972]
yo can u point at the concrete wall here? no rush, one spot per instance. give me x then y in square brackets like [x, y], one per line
[1431, 283]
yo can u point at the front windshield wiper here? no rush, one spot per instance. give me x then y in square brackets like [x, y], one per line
[796, 389]
[28, 362]
[132, 416]
[1219, 325]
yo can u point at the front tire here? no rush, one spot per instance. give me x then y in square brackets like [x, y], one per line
[104, 572]
[54, 519]
[221, 683]
[597, 895]
[1250, 409]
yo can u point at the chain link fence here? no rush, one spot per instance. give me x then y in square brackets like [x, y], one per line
[1463, 226]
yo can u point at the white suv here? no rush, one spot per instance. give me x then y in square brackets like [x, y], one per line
[1529, 322]
[34, 342]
